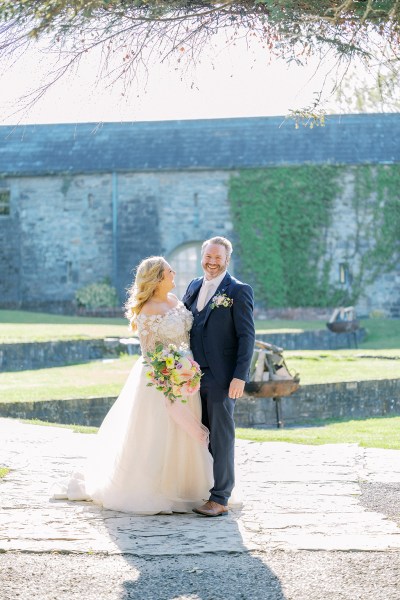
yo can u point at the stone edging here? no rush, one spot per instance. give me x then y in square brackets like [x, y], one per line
[317, 339]
[358, 399]
[42, 355]
[341, 400]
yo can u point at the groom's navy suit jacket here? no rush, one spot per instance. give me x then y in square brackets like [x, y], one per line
[227, 333]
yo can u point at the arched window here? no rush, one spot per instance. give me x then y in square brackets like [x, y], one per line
[186, 261]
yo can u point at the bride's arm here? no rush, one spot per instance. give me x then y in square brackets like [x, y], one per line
[147, 332]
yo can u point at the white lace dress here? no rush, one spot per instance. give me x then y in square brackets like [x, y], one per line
[147, 459]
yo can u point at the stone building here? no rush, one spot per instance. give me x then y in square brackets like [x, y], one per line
[80, 203]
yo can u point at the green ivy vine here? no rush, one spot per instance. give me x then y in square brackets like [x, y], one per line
[282, 215]
[378, 188]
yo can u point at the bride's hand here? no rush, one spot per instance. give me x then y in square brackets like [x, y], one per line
[236, 388]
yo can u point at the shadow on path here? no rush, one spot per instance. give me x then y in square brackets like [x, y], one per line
[187, 556]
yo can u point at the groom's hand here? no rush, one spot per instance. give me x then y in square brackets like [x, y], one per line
[236, 388]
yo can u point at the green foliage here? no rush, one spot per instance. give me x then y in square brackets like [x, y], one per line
[376, 202]
[285, 12]
[359, 93]
[97, 295]
[280, 217]
[385, 254]
[128, 32]
[310, 116]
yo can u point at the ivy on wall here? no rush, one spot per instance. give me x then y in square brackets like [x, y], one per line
[377, 188]
[282, 215]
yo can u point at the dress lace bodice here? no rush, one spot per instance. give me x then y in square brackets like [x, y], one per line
[171, 328]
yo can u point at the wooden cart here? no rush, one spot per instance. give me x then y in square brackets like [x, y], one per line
[266, 381]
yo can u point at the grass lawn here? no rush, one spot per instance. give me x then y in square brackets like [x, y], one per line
[378, 358]
[106, 378]
[287, 326]
[98, 378]
[383, 432]
[23, 326]
[381, 333]
[319, 366]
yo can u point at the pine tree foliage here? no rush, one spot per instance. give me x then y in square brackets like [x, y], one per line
[133, 32]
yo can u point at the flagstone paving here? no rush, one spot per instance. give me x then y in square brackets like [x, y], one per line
[295, 497]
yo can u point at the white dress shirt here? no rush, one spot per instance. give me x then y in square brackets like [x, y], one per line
[208, 289]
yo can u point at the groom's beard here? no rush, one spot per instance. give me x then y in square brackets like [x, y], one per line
[212, 271]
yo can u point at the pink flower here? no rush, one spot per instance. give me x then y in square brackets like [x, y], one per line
[176, 390]
[186, 375]
[188, 389]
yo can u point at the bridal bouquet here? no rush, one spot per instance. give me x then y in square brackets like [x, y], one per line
[173, 372]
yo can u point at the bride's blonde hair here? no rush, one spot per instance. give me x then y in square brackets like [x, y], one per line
[149, 273]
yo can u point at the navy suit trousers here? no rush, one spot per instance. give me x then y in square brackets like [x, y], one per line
[217, 416]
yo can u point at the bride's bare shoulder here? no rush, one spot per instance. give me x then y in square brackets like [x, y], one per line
[174, 300]
[152, 307]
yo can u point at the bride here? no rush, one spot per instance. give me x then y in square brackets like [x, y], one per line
[150, 455]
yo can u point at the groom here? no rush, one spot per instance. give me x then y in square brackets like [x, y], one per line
[222, 342]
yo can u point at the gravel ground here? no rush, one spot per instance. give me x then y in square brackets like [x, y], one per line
[220, 575]
[383, 498]
[275, 575]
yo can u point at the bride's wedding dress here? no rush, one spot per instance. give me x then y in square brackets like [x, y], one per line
[150, 455]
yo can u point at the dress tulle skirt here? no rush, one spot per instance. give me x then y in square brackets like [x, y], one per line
[148, 456]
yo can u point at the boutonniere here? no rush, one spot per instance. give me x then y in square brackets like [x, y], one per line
[221, 300]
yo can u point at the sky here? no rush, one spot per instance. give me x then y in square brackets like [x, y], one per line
[229, 82]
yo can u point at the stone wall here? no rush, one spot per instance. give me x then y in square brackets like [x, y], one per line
[344, 400]
[66, 231]
[160, 211]
[65, 239]
[138, 227]
[319, 339]
[10, 275]
[362, 399]
[61, 232]
[42, 355]
[349, 237]
[90, 411]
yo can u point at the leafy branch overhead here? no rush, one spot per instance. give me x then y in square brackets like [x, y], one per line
[129, 33]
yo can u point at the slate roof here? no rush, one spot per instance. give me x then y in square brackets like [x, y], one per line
[197, 144]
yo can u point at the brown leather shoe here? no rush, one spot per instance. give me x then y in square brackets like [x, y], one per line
[212, 509]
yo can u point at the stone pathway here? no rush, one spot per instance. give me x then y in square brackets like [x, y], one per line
[295, 498]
